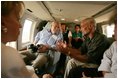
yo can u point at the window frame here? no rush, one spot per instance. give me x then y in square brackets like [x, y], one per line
[105, 29]
[29, 32]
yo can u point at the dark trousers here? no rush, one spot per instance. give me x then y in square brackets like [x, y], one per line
[89, 72]
[60, 65]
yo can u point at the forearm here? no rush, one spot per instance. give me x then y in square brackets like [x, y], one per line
[35, 41]
[74, 53]
[109, 74]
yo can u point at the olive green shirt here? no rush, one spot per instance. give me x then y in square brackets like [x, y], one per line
[95, 47]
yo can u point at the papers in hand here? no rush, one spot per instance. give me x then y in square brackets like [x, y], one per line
[52, 40]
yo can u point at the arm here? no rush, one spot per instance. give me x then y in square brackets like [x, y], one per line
[74, 53]
[106, 62]
[15, 66]
[93, 53]
[108, 65]
[37, 38]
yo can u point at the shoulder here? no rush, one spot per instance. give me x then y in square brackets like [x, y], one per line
[7, 49]
[113, 45]
[101, 37]
[12, 64]
[11, 55]
[45, 31]
[111, 50]
[38, 34]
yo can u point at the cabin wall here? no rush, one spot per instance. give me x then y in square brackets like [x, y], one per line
[34, 30]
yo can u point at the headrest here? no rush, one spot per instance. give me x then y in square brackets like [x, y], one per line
[47, 26]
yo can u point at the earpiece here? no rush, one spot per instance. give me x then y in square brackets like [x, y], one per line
[4, 29]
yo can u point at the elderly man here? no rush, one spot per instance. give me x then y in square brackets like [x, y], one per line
[47, 38]
[91, 52]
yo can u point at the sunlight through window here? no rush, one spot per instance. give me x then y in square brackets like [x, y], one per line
[11, 44]
[26, 31]
[110, 30]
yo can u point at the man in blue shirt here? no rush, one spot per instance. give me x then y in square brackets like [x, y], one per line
[47, 38]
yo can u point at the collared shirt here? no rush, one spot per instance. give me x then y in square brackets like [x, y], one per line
[109, 61]
[43, 37]
[75, 35]
[95, 47]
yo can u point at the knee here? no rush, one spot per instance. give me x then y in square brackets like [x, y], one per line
[71, 63]
[30, 69]
[41, 58]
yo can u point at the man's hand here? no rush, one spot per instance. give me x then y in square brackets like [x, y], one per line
[62, 47]
[43, 48]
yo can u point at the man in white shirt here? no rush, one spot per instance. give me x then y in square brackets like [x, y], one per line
[108, 64]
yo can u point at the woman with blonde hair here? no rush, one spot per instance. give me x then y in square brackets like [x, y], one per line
[12, 64]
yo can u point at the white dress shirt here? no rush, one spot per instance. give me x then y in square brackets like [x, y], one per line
[109, 61]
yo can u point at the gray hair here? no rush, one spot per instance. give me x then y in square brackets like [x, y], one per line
[55, 22]
[90, 20]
